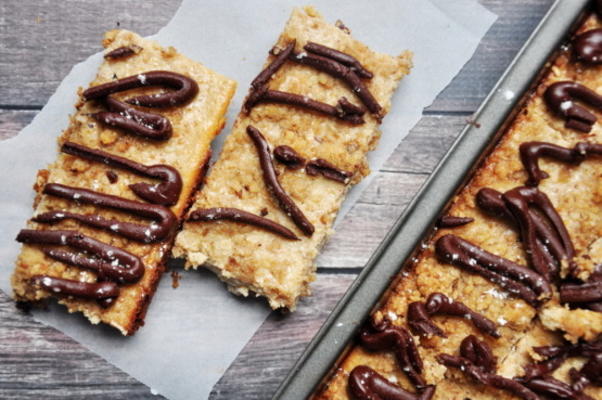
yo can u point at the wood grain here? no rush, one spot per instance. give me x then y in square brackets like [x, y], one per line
[40, 41]
[53, 36]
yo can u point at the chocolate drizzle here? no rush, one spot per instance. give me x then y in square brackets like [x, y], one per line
[337, 64]
[544, 235]
[342, 111]
[236, 215]
[289, 157]
[165, 193]
[122, 52]
[549, 386]
[537, 375]
[420, 322]
[271, 180]
[555, 356]
[385, 336]
[476, 360]
[535, 214]
[87, 290]
[592, 370]
[338, 70]
[588, 292]
[516, 279]
[587, 46]
[185, 89]
[129, 119]
[479, 353]
[264, 76]
[367, 384]
[109, 262]
[581, 294]
[343, 58]
[328, 170]
[560, 98]
[163, 225]
[531, 152]
[450, 221]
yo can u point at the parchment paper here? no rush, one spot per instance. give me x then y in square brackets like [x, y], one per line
[193, 333]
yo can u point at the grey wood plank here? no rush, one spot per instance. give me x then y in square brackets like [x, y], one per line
[12, 121]
[43, 40]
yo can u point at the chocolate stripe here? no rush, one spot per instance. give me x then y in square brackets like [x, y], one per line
[438, 303]
[561, 98]
[164, 220]
[479, 353]
[550, 386]
[339, 56]
[540, 229]
[271, 180]
[267, 73]
[551, 247]
[236, 215]
[342, 72]
[587, 46]
[128, 119]
[449, 221]
[531, 152]
[185, 89]
[122, 52]
[109, 262]
[165, 193]
[367, 384]
[386, 336]
[480, 375]
[581, 293]
[516, 279]
[264, 95]
[86, 290]
[328, 170]
[289, 157]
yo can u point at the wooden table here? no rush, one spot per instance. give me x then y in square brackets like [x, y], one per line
[41, 40]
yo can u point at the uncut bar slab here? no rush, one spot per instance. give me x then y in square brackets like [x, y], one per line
[195, 124]
[250, 259]
[576, 193]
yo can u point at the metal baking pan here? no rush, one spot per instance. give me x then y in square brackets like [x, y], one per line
[403, 241]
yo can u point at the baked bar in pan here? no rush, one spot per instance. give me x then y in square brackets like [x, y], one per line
[106, 211]
[301, 140]
[505, 299]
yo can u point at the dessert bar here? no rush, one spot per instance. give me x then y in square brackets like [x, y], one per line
[106, 211]
[299, 143]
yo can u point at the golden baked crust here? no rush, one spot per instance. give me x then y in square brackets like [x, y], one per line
[194, 126]
[251, 259]
[575, 191]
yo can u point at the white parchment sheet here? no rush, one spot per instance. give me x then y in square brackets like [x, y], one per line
[192, 334]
